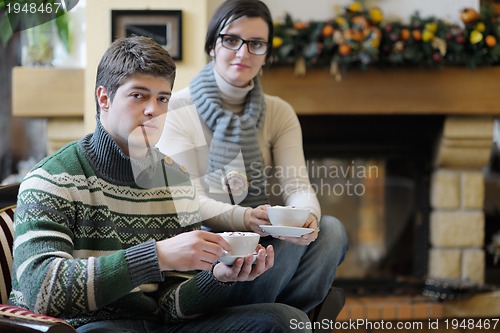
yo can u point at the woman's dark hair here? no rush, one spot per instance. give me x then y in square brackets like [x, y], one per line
[232, 10]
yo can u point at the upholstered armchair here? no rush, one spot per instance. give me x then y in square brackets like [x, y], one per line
[15, 319]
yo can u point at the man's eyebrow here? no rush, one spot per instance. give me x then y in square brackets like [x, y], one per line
[149, 90]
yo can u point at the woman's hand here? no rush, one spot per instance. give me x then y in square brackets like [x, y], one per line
[194, 250]
[243, 269]
[255, 217]
[312, 222]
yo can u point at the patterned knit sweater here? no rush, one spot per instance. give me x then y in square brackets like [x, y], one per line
[85, 235]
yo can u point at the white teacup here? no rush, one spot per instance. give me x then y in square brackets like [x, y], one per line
[242, 243]
[287, 216]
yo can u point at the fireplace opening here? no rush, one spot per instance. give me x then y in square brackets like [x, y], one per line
[373, 173]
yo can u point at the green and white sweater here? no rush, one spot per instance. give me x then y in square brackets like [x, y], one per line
[85, 235]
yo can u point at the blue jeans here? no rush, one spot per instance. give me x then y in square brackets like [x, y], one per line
[256, 318]
[300, 278]
[302, 275]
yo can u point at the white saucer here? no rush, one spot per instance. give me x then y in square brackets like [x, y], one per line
[278, 230]
[229, 260]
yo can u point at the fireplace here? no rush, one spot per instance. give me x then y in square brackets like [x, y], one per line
[421, 139]
[373, 173]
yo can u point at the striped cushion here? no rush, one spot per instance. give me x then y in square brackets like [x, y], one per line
[6, 241]
[11, 311]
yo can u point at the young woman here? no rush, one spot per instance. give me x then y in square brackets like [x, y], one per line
[243, 149]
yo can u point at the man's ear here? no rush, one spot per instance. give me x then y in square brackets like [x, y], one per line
[103, 98]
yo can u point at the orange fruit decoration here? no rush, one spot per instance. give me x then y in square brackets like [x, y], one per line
[300, 25]
[469, 15]
[405, 34]
[490, 41]
[356, 35]
[360, 22]
[344, 49]
[327, 30]
[416, 34]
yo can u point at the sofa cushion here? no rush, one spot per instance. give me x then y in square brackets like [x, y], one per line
[6, 242]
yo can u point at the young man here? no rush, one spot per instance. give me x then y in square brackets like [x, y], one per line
[107, 229]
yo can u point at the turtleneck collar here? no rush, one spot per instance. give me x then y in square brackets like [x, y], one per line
[108, 160]
[233, 98]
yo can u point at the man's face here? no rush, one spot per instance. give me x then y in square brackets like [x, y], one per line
[136, 116]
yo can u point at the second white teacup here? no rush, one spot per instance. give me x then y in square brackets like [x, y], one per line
[287, 216]
[242, 243]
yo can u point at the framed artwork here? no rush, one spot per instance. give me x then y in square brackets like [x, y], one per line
[164, 26]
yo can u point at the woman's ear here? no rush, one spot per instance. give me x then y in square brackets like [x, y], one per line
[212, 53]
[103, 98]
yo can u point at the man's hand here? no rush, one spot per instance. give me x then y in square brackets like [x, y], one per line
[194, 250]
[243, 269]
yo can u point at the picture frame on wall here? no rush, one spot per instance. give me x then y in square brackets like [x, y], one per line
[164, 26]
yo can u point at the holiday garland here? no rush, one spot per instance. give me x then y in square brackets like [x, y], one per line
[360, 37]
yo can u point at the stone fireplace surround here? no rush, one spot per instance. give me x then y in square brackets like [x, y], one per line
[453, 110]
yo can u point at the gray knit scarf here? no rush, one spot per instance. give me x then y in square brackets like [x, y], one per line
[234, 151]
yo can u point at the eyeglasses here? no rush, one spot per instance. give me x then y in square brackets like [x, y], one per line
[254, 46]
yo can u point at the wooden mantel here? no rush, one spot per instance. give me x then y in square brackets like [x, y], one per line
[47, 92]
[447, 91]
[56, 94]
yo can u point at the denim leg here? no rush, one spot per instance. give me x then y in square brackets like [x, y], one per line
[115, 326]
[254, 318]
[302, 275]
[318, 266]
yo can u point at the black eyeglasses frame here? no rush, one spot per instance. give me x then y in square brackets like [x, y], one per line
[245, 41]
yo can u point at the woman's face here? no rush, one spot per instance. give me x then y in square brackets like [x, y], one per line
[240, 67]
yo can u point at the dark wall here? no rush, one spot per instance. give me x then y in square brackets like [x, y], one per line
[20, 138]
[8, 58]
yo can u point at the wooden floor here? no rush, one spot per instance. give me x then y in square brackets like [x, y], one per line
[404, 313]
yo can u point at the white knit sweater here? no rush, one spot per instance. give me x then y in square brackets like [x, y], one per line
[187, 139]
